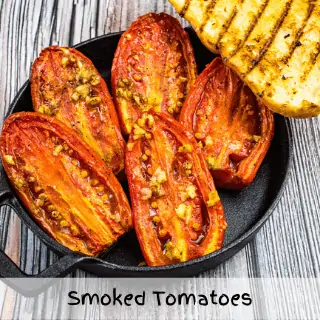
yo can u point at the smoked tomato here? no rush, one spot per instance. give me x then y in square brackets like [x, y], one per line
[64, 184]
[233, 128]
[153, 68]
[65, 84]
[176, 209]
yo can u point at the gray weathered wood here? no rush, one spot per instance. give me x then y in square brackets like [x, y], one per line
[287, 245]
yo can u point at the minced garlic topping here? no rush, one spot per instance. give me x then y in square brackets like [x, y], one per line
[146, 193]
[184, 212]
[9, 159]
[213, 198]
[185, 148]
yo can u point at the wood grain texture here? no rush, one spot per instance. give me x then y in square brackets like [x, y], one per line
[287, 246]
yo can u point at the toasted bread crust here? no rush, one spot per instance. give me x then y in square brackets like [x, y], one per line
[273, 45]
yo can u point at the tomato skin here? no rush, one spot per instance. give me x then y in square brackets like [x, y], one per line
[177, 213]
[153, 68]
[234, 128]
[65, 185]
[65, 84]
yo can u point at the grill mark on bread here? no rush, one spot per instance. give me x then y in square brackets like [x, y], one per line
[293, 46]
[185, 8]
[313, 55]
[310, 66]
[228, 23]
[273, 34]
[299, 33]
[250, 29]
[210, 6]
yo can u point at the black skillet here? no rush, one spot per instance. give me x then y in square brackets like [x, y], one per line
[246, 211]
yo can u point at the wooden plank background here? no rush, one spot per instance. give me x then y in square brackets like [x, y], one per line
[287, 246]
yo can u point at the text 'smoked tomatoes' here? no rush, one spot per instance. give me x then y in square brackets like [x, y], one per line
[65, 84]
[153, 68]
[64, 184]
[233, 128]
[177, 212]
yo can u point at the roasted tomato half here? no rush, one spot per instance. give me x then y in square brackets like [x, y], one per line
[153, 68]
[233, 128]
[65, 84]
[177, 211]
[65, 185]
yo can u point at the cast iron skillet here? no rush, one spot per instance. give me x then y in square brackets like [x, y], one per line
[246, 211]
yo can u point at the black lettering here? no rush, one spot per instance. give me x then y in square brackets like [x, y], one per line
[213, 295]
[127, 298]
[246, 297]
[71, 296]
[187, 298]
[173, 298]
[158, 296]
[143, 298]
[91, 297]
[203, 301]
[236, 297]
[116, 298]
[220, 300]
[102, 300]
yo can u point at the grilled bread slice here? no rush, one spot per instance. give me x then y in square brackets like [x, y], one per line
[273, 45]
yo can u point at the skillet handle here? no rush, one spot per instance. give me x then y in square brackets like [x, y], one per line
[17, 279]
[8, 269]
[59, 269]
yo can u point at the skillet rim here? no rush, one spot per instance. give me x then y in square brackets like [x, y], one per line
[237, 244]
